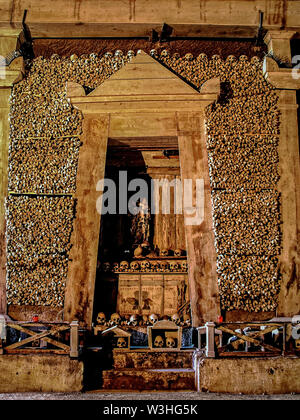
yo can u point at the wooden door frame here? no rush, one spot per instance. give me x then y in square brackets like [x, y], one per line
[135, 115]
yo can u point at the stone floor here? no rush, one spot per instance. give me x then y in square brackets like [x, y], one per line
[144, 396]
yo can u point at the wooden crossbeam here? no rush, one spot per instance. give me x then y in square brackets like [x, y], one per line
[256, 334]
[249, 339]
[37, 336]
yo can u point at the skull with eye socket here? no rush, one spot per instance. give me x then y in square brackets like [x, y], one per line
[115, 319]
[101, 318]
[122, 343]
[153, 318]
[164, 252]
[159, 342]
[164, 266]
[155, 266]
[115, 267]
[184, 266]
[174, 266]
[170, 343]
[124, 266]
[145, 266]
[134, 266]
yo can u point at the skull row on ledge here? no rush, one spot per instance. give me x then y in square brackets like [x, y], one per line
[145, 266]
[140, 321]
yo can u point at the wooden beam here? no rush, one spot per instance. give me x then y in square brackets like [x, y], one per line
[238, 18]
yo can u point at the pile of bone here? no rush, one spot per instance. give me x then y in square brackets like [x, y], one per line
[38, 244]
[49, 165]
[248, 283]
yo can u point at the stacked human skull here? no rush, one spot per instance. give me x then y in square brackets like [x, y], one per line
[159, 342]
[170, 342]
[121, 342]
[115, 319]
[153, 318]
[124, 266]
[101, 318]
[134, 266]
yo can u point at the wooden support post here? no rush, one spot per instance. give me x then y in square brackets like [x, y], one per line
[203, 283]
[9, 76]
[74, 351]
[210, 340]
[79, 297]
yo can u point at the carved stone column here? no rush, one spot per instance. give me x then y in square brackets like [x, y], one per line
[8, 76]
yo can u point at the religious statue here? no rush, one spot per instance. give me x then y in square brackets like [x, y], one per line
[140, 225]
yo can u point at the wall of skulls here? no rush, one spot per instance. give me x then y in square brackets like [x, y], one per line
[243, 135]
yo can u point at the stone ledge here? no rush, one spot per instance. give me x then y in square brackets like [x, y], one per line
[40, 373]
[277, 375]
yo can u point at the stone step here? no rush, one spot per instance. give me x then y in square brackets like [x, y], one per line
[153, 359]
[149, 379]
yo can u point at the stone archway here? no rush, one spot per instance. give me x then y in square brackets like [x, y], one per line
[143, 99]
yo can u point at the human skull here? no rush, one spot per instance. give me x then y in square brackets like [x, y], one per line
[134, 266]
[145, 265]
[164, 265]
[108, 55]
[243, 58]
[184, 266]
[154, 265]
[178, 252]
[115, 319]
[124, 266]
[158, 342]
[164, 252]
[115, 266]
[174, 266]
[133, 320]
[255, 60]
[101, 318]
[106, 267]
[118, 53]
[202, 57]
[231, 59]
[187, 319]
[170, 343]
[164, 53]
[153, 318]
[121, 343]
[130, 54]
[153, 53]
[189, 56]
[176, 318]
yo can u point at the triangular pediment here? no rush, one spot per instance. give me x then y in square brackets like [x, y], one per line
[143, 76]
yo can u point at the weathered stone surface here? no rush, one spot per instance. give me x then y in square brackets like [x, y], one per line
[147, 359]
[250, 376]
[155, 379]
[40, 373]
